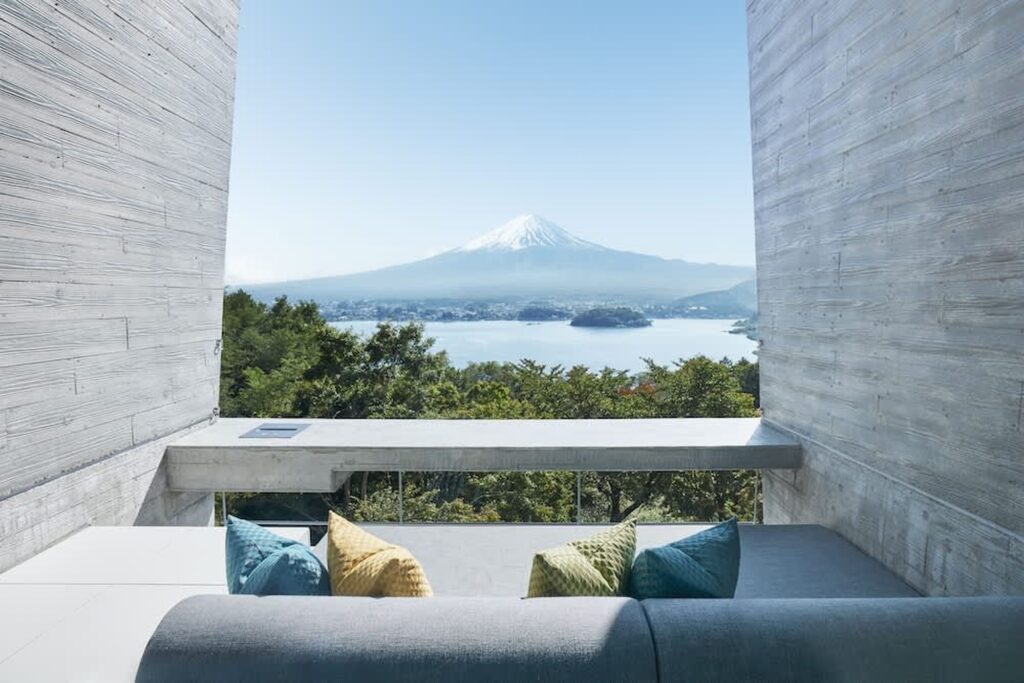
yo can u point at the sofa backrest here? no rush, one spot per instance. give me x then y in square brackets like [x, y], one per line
[234, 637]
[844, 639]
[245, 638]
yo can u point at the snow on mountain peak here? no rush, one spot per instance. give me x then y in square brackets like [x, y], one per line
[526, 231]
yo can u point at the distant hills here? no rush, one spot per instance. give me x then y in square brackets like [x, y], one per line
[739, 301]
[527, 258]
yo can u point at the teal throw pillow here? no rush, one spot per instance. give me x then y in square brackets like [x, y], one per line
[705, 565]
[260, 562]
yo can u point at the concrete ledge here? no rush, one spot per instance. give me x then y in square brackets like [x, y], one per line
[321, 457]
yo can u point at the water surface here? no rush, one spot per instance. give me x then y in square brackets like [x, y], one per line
[558, 343]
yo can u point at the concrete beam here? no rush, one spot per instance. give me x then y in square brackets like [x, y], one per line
[322, 456]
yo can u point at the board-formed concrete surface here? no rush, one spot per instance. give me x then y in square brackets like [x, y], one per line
[888, 159]
[322, 456]
[115, 143]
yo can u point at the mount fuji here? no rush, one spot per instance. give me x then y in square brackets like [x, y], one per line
[527, 258]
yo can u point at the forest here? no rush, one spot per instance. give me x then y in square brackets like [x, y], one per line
[285, 360]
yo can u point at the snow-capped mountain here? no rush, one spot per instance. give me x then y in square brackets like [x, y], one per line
[527, 258]
[523, 232]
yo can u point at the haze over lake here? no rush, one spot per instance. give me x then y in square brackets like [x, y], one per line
[557, 343]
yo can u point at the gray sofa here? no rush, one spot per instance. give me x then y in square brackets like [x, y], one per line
[809, 607]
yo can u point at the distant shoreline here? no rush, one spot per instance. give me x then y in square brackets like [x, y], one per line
[724, 318]
[392, 319]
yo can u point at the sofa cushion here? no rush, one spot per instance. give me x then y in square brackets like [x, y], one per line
[242, 638]
[361, 564]
[704, 565]
[810, 561]
[259, 562]
[859, 639]
[596, 565]
[785, 561]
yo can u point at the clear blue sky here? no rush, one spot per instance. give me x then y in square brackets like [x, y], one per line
[376, 132]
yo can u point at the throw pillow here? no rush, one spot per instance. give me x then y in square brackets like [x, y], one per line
[260, 562]
[597, 565]
[362, 564]
[705, 565]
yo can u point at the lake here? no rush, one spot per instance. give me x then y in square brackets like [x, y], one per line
[558, 343]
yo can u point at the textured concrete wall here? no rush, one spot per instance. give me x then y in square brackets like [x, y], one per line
[889, 190]
[115, 136]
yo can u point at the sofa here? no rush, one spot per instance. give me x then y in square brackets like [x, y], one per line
[809, 606]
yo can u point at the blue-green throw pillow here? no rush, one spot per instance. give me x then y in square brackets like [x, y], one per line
[260, 562]
[705, 565]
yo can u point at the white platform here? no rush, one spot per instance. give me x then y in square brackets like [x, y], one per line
[84, 609]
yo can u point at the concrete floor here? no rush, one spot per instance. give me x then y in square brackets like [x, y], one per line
[84, 609]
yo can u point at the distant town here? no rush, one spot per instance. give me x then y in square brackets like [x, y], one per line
[582, 312]
[454, 310]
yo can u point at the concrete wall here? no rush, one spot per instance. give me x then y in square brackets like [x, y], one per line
[115, 137]
[888, 142]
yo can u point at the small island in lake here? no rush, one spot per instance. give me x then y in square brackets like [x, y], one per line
[611, 317]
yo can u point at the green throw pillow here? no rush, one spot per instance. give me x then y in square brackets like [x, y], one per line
[598, 565]
[705, 565]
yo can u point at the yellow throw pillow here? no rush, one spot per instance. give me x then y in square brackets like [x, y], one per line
[360, 564]
[596, 565]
